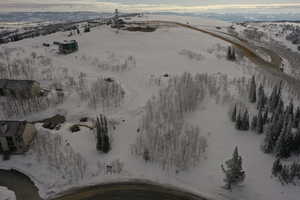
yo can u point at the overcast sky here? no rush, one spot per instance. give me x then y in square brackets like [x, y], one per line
[152, 5]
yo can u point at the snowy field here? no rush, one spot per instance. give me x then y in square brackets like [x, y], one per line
[142, 64]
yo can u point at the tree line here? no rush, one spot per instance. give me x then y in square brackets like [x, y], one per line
[277, 121]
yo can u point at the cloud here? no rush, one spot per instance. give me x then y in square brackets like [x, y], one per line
[94, 5]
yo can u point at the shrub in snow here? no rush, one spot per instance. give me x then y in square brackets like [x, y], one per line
[112, 63]
[191, 55]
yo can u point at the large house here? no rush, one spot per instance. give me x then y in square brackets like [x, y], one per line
[16, 136]
[19, 88]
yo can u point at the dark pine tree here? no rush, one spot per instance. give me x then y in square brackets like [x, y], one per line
[262, 99]
[252, 91]
[234, 173]
[254, 123]
[233, 114]
[266, 116]
[146, 155]
[277, 167]
[245, 121]
[260, 123]
[103, 143]
[297, 117]
[283, 144]
[238, 122]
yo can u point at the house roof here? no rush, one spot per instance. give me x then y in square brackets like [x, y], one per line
[68, 42]
[16, 84]
[12, 128]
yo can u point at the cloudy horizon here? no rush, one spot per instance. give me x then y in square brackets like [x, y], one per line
[286, 6]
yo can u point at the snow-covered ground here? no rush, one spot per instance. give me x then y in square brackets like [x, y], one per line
[6, 194]
[168, 50]
[272, 31]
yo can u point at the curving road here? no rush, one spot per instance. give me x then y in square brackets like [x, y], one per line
[242, 45]
[272, 67]
[135, 190]
[25, 189]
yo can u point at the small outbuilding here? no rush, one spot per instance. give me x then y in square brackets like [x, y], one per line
[19, 88]
[67, 47]
[16, 136]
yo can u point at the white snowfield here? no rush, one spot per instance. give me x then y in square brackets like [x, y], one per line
[168, 50]
[6, 194]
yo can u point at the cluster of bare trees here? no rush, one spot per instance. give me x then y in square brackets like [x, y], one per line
[165, 137]
[104, 93]
[31, 67]
[18, 107]
[112, 63]
[60, 157]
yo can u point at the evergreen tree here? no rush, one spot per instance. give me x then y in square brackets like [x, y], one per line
[277, 126]
[245, 121]
[233, 57]
[254, 123]
[106, 144]
[238, 122]
[233, 114]
[99, 135]
[273, 100]
[262, 99]
[231, 53]
[252, 91]
[293, 171]
[103, 143]
[268, 141]
[277, 167]
[290, 109]
[284, 174]
[146, 155]
[297, 118]
[295, 147]
[275, 97]
[283, 144]
[234, 173]
[265, 117]
[260, 123]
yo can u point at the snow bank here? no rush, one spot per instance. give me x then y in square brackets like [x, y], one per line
[6, 194]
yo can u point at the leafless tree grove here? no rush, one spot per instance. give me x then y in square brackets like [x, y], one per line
[60, 157]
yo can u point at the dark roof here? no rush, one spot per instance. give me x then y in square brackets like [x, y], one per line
[12, 128]
[16, 84]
